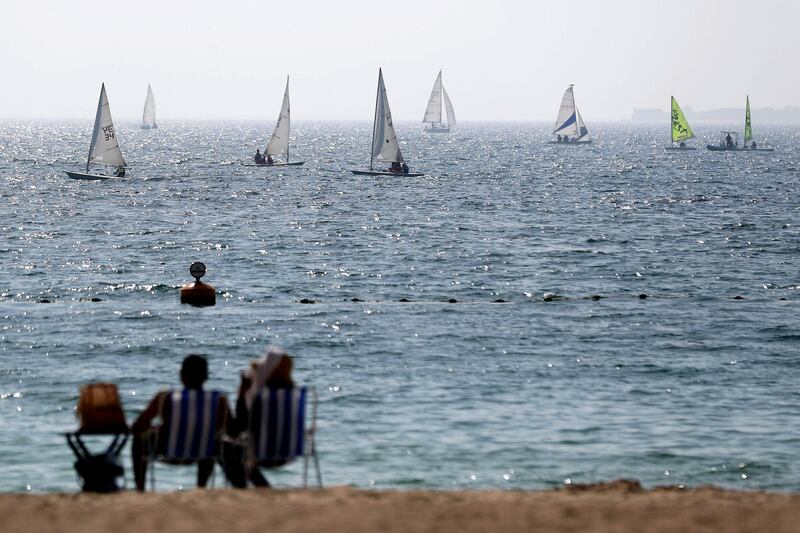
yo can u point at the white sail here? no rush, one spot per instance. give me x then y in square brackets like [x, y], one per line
[384, 140]
[279, 142]
[104, 149]
[566, 121]
[583, 133]
[433, 113]
[149, 113]
[451, 115]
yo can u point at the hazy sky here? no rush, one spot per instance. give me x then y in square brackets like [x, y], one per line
[502, 59]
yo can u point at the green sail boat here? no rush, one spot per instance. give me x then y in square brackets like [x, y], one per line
[730, 142]
[748, 126]
[681, 131]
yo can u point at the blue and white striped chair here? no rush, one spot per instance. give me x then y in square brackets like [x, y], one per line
[278, 433]
[190, 431]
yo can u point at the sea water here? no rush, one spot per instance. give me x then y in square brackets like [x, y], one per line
[523, 316]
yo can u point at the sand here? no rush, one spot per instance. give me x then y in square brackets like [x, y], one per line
[618, 506]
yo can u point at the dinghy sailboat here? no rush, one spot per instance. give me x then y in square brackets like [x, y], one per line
[681, 131]
[149, 113]
[730, 142]
[385, 147]
[279, 142]
[570, 128]
[433, 113]
[104, 148]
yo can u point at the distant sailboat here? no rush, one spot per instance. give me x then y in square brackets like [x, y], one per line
[104, 148]
[279, 142]
[384, 140]
[681, 131]
[149, 113]
[433, 113]
[569, 123]
[729, 142]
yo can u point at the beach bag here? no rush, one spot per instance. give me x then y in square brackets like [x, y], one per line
[100, 472]
[99, 410]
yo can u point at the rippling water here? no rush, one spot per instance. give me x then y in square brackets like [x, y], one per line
[549, 366]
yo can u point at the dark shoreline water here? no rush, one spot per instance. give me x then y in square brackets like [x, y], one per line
[689, 385]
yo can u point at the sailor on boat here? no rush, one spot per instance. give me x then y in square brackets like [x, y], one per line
[396, 168]
[259, 159]
[753, 145]
[729, 141]
[405, 167]
[269, 160]
[120, 173]
[682, 144]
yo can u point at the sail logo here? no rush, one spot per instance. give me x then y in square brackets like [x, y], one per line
[108, 132]
[676, 123]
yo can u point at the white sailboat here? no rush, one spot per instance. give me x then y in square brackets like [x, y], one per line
[433, 113]
[569, 123]
[149, 113]
[104, 148]
[385, 147]
[279, 142]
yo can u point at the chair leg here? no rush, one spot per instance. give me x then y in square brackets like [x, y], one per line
[305, 471]
[319, 471]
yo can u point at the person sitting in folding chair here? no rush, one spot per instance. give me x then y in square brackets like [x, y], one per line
[193, 422]
[270, 413]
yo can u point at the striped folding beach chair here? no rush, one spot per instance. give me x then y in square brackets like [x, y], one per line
[278, 432]
[190, 429]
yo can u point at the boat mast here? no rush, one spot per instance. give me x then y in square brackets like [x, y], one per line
[377, 95]
[441, 99]
[289, 126]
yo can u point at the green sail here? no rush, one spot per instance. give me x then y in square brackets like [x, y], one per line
[680, 126]
[748, 128]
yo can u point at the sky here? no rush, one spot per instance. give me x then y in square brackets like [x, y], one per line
[502, 60]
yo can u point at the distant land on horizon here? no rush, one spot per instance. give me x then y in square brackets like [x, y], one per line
[789, 115]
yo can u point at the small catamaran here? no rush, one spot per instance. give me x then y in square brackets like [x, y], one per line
[681, 131]
[279, 142]
[570, 128]
[149, 113]
[433, 113]
[104, 148]
[730, 142]
[384, 140]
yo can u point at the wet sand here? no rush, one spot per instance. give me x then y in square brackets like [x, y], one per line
[618, 506]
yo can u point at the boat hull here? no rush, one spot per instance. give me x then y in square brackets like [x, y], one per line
[437, 130]
[680, 148]
[717, 148]
[292, 164]
[380, 173]
[149, 127]
[578, 143]
[87, 176]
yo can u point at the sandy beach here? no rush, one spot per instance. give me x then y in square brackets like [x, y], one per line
[618, 506]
